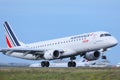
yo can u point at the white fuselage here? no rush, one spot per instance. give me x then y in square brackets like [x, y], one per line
[73, 45]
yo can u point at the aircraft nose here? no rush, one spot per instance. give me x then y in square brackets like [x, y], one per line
[114, 42]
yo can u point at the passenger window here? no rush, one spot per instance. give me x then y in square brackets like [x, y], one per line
[101, 35]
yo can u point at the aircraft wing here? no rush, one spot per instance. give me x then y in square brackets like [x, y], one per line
[20, 50]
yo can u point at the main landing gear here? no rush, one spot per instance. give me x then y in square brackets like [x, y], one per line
[72, 63]
[45, 64]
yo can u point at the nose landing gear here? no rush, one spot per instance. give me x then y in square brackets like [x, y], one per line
[104, 57]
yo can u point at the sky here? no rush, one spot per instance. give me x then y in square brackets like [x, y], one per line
[38, 20]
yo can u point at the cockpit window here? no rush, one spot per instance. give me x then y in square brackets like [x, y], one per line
[107, 34]
[103, 35]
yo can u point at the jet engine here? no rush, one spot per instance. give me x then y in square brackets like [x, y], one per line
[52, 54]
[92, 55]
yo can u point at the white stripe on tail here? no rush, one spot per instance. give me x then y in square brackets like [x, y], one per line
[11, 38]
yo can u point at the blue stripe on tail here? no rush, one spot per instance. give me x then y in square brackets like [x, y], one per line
[9, 36]
[12, 34]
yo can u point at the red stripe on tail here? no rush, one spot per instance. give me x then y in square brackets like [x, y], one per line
[8, 42]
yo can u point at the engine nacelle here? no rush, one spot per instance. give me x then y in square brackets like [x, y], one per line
[52, 54]
[92, 55]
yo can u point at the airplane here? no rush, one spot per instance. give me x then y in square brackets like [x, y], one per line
[89, 46]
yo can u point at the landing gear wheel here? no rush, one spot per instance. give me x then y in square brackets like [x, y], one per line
[45, 64]
[104, 57]
[71, 64]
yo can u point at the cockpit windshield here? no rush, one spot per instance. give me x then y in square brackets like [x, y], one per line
[106, 34]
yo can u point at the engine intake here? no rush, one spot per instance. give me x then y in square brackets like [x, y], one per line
[56, 54]
[92, 55]
[52, 54]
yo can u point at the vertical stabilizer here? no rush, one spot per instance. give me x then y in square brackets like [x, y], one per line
[11, 39]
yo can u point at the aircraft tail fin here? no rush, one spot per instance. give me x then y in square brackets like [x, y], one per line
[11, 39]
